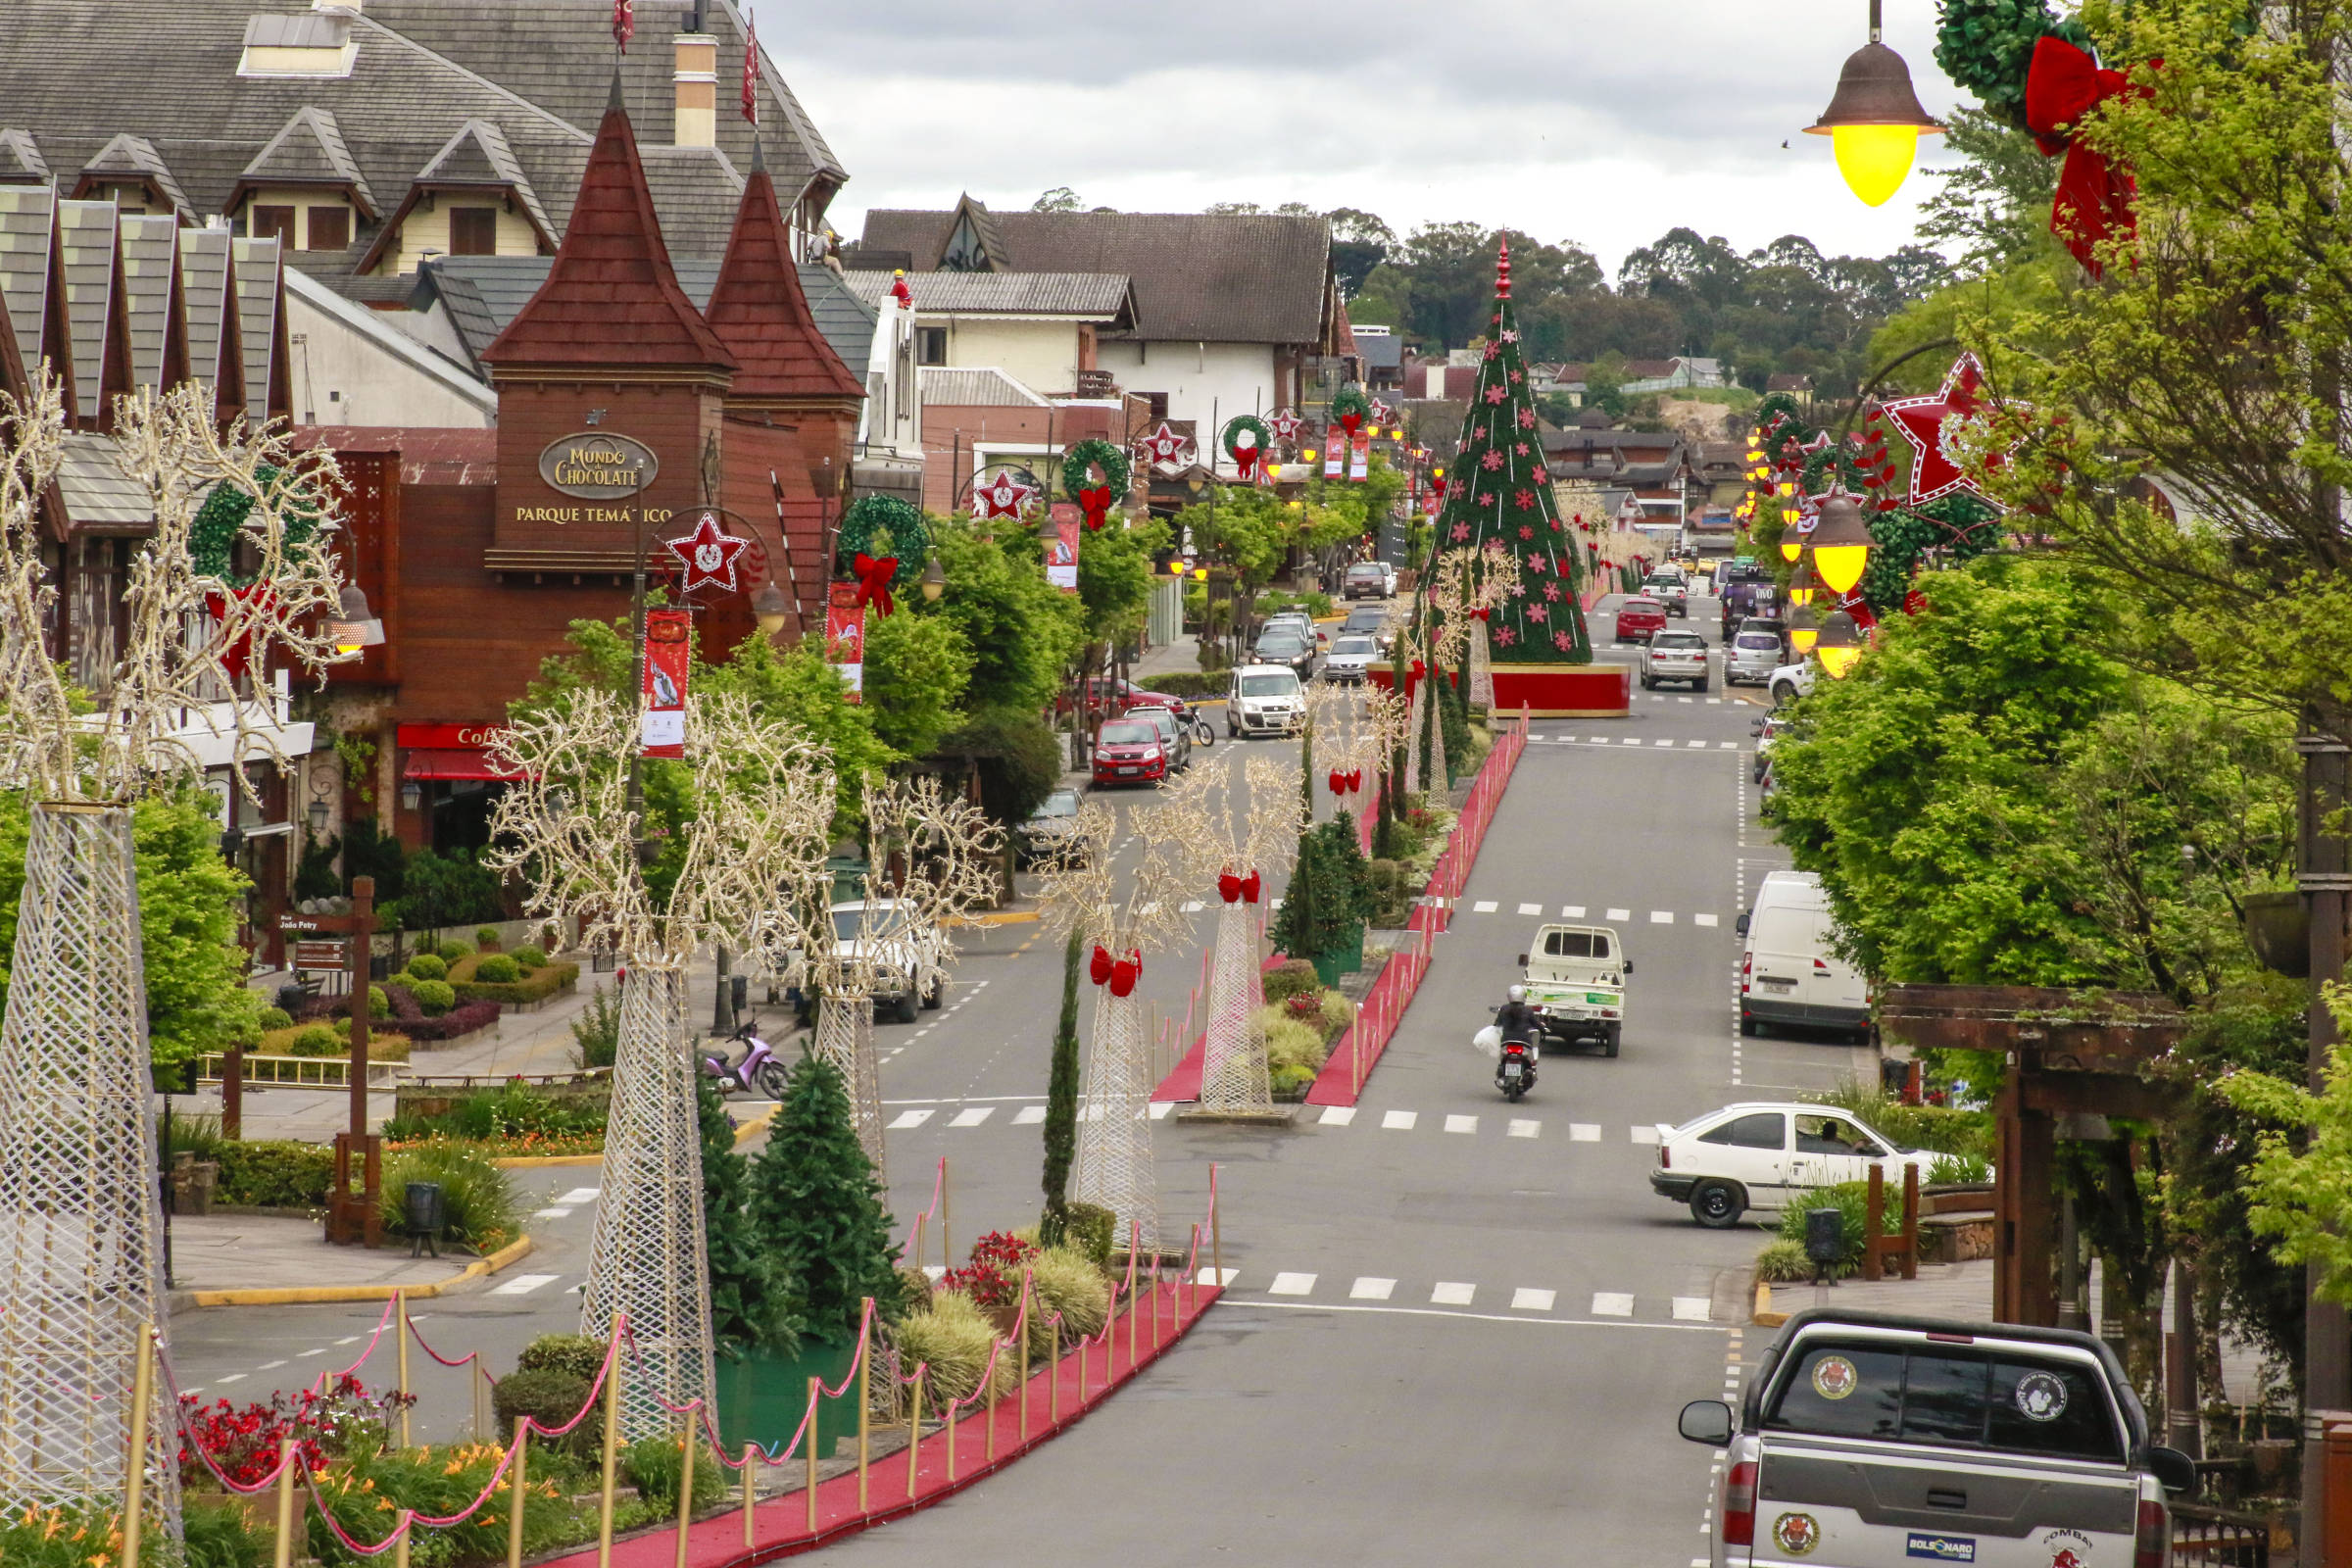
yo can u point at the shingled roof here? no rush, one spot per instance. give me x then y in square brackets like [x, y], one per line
[610, 297]
[478, 158]
[130, 158]
[308, 150]
[1089, 296]
[20, 159]
[1197, 277]
[159, 354]
[760, 313]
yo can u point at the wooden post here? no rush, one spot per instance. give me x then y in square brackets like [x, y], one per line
[1134, 1248]
[866, 1359]
[1022, 1329]
[603, 1506]
[918, 1241]
[1155, 1303]
[1873, 1217]
[399, 1313]
[134, 1500]
[399, 1548]
[285, 1503]
[1081, 1339]
[1910, 1223]
[750, 1465]
[686, 1447]
[915, 1431]
[815, 1413]
[516, 1480]
[988, 1450]
[950, 1414]
[483, 1415]
[946, 1212]
[1216, 1229]
[232, 1096]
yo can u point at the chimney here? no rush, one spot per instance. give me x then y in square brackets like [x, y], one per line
[696, 78]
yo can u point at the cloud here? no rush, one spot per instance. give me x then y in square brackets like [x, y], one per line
[1605, 125]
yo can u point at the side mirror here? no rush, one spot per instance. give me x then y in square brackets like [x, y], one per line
[1629, 967]
[1709, 1421]
[1739, 926]
[2174, 1471]
[1522, 960]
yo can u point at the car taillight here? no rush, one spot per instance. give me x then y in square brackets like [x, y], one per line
[1740, 1505]
[1665, 1161]
[2155, 1531]
[1747, 968]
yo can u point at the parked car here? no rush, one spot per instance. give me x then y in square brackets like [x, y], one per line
[1789, 682]
[1369, 620]
[1574, 976]
[1754, 653]
[1130, 751]
[1674, 656]
[1050, 835]
[1763, 1153]
[1265, 699]
[1790, 968]
[1367, 579]
[1116, 697]
[1284, 646]
[1349, 658]
[1765, 730]
[1869, 1441]
[909, 965]
[1670, 588]
[1640, 620]
[1175, 735]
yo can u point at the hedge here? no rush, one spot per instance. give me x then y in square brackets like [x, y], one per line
[462, 1019]
[537, 986]
[273, 1174]
[1186, 683]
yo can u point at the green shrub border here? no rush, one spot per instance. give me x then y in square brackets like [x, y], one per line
[537, 986]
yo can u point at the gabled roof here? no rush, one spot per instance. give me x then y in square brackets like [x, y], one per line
[972, 242]
[307, 150]
[381, 328]
[760, 313]
[1088, 296]
[477, 158]
[93, 303]
[1197, 277]
[261, 326]
[20, 159]
[13, 379]
[985, 386]
[96, 493]
[610, 297]
[215, 340]
[135, 158]
[27, 246]
[152, 300]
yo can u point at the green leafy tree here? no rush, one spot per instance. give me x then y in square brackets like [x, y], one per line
[1115, 578]
[2300, 1184]
[916, 670]
[1062, 1094]
[1022, 631]
[1993, 207]
[1061, 199]
[751, 1291]
[816, 1208]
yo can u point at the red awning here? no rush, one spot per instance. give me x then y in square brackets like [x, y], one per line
[471, 763]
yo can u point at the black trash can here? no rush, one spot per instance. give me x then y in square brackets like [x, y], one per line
[1825, 1239]
[425, 1209]
[1894, 1076]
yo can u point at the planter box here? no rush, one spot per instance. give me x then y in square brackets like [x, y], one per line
[762, 1396]
[1551, 691]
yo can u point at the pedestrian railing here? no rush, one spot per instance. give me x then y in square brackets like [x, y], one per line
[302, 1072]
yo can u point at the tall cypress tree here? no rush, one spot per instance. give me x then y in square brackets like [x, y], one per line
[817, 1207]
[1062, 1099]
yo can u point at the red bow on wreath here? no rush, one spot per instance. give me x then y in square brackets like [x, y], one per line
[1348, 421]
[1346, 783]
[874, 581]
[1482, 615]
[1241, 889]
[1246, 460]
[1120, 974]
[1095, 500]
[2094, 198]
[238, 654]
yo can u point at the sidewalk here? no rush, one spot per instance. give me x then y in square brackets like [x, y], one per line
[269, 1260]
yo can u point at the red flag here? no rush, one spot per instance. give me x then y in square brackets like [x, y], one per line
[624, 23]
[751, 67]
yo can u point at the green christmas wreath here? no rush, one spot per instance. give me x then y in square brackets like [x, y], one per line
[1986, 46]
[213, 535]
[883, 526]
[1094, 455]
[1350, 399]
[1257, 428]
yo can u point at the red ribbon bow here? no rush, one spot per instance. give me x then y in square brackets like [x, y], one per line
[1246, 460]
[1348, 421]
[1355, 780]
[1339, 782]
[1346, 783]
[1482, 615]
[1120, 974]
[874, 581]
[2094, 198]
[1095, 500]
[1100, 970]
[1241, 889]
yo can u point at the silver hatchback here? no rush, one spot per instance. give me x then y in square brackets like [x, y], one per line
[1753, 655]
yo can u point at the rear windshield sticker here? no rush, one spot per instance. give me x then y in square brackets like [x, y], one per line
[2040, 1397]
[1835, 1377]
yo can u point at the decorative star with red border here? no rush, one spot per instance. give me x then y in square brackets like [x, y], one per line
[1163, 446]
[1002, 497]
[710, 554]
[1926, 422]
[1286, 425]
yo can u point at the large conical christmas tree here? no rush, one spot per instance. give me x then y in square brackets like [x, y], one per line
[1502, 492]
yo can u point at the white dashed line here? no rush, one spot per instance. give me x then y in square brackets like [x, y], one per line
[1526, 1299]
[1572, 911]
[1450, 1293]
[1530, 908]
[1029, 1115]
[1702, 919]
[1395, 1122]
[972, 1116]
[1612, 1303]
[1461, 1124]
[1160, 1108]
[1583, 1132]
[1369, 1288]
[1693, 1309]
[1336, 1116]
[1645, 1134]
[1482, 907]
[1525, 1129]
[1619, 914]
[578, 1195]
[1290, 1285]
[908, 1118]
[1211, 1276]
[523, 1284]
[1657, 917]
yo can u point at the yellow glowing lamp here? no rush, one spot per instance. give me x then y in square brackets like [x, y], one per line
[1839, 646]
[1841, 545]
[1309, 454]
[1273, 470]
[1803, 631]
[1792, 543]
[1875, 120]
[1438, 472]
[1802, 585]
[1787, 487]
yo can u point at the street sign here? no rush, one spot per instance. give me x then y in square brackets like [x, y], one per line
[331, 955]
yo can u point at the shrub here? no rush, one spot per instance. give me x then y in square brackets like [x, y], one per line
[291, 1000]
[522, 988]
[379, 1004]
[1938, 1128]
[441, 1480]
[550, 1397]
[531, 956]
[654, 1463]
[1290, 1081]
[427, 966]
[486, 937]
[1784, 1262]
[479, 1204]
[433, 997]
[452, 950]
[1289, 979]
[1338, 1013]
[580, 1355]
[1851, 1199]
[498, 969]
[1091, 1231]
[954, 1338]
[276, 1018]
[318, 1040]
[1069, 1283]
[1291, 1044]
[216, 1538]
[596, 1032]
[1959, 1169]
[269, 1174]
[992, 1278]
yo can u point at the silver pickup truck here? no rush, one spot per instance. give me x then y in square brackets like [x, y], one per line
[1877, 1442]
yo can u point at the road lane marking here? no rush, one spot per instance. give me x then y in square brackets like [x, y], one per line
[1461, 1124]
[909, 1118]
[1528, 1299]
[233, 1377]
[268, 1366]
[1619, 914]
[1630, 740]
[523, 1284]
[1702, 919]
[1612, 1303]
[1645, 1134]
[1694, 745]
[1728, 746]
[1530, 908]
[1583, 1132]
[1369, 1288]
[972, 1116]
[1160, 1108]
[1693, 1309]
[547, 1213]
[320, 1351]
[1572, 911]
[1029, 1115]
[1395, 1122]
[1211, 1276]
[1484, 1317]
[1336, 1117]
[1292, 1285]
[1525, 1129]
[1453, 1293]
[578, 1195]
[1482, 907]
[1657, 917]
[1193, 907]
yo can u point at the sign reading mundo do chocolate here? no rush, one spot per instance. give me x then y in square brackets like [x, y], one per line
[596, 465]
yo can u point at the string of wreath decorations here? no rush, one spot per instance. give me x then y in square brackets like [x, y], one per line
[1350, 407]
[213, 535]
[1248, 457]
[1095, 499]
[882, 528]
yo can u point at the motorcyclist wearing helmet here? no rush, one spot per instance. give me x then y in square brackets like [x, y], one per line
[1516, 1020]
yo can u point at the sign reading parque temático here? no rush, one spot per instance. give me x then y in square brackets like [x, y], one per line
[598, 466]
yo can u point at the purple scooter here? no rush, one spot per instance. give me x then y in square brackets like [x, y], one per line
[758, 1072]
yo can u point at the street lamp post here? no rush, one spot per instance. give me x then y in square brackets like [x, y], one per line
[1875, 120]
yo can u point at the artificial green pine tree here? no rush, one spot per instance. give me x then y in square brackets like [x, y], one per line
[1502, 492]
[817, 1207]
[751, 1292]
[1062, 1099]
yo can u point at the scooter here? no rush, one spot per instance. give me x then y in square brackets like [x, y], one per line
[1514, 1060]
[758, 1072]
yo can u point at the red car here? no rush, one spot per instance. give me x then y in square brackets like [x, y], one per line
[1128, 751]
[1118, 695]
[1639, 620]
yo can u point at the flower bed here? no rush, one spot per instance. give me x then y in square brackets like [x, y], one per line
[307, 1040]
[534, 984]
[1302, 1018]
[509, 1123]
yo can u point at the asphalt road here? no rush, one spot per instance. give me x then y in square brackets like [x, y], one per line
[1457, 1330]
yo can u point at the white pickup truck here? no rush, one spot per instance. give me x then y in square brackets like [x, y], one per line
[1575, 979]
[1866, 1441]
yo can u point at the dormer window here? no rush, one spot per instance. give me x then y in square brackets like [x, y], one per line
[473, 231]
[964, 253]
[318, 44]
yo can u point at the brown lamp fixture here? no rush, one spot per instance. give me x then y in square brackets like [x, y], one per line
[1841, 544]
[771, 609]
[1839, 646]
[1875, 120]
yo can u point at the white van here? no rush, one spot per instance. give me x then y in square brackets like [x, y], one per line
[1788, 971]
[1265, 699]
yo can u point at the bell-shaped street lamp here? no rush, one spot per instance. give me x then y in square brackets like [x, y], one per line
[1802, 584]
[1803, 630]
[1875, 120]
[1840, 645]
[1842, 544]
[771, 609]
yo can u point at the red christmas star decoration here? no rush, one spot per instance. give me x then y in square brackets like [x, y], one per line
[1521, 449]
[1492, 349]
[1001, 497]
[709, 554]
[1926, 421]
[1286, 425]
[1518, 375]
[1485, 498]
[1539, 473]
[1163, 446]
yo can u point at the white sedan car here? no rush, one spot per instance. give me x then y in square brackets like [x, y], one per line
[1766, 1154]
[1791, 681]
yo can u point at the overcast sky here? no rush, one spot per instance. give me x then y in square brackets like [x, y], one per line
[1605, 124]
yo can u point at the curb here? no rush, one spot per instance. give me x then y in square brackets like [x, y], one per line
[1764, 1316]
[759, 1124]
[515, 1252]
[546, 1162]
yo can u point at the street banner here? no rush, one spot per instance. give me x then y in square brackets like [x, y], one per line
[663, 730]
[1359, 456]
[1061, 548]
[845, 639]
[1334, 452]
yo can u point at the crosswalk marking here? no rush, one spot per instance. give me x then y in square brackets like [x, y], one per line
[1619, 914]
[1334, 1116]
[1530, 908]
[909, 1118]
[1692, 1310]
[1398, 1121]
[1029, 1115]
[1461, 1124]
[551, 1213]
[1211, 1276]
[1633, 740]
[1160, 1109]
[1645, 1134]
[1583, 1132]
[1369, 1288]
[1482, 907]
[1728, 746]
[1527, 1300]
[1694, 745]
[578, 1195]
[1292, 1285]
[523, 1285]
[972, 1116]
[1572, 911]
[1525, 1129]
[1194, 906]
[1657, 917]
[1450, 1293]
[1612, 1303]
[1702, 919]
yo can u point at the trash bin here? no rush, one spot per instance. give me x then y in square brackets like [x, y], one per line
[1825, 1239]
[425, 1209]
[1895, 1075]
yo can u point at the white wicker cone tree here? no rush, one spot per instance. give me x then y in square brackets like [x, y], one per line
[1112, 1167]
[1233, 836]
[763, 799]
[80, 1222]
[1465, 589]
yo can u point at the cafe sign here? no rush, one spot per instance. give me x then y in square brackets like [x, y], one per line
[598, 466]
